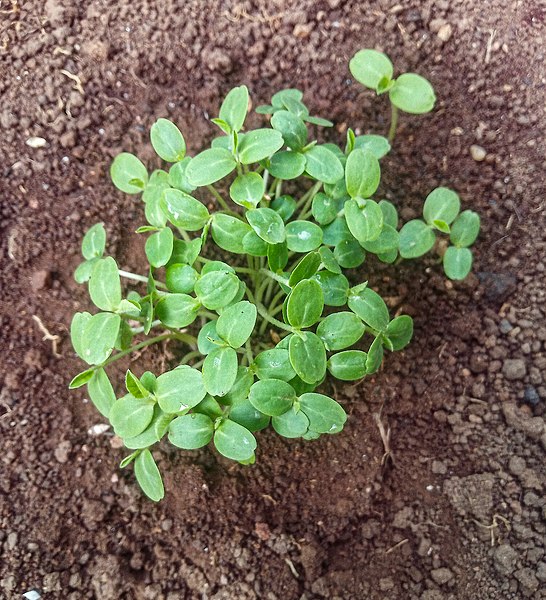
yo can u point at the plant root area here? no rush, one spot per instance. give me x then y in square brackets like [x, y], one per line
[435, 489]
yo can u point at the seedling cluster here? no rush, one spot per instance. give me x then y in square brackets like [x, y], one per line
[256, 290]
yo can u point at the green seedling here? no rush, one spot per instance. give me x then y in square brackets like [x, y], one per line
[409, 92]
[258, 291]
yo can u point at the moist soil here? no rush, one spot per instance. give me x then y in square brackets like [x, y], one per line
[448, 503]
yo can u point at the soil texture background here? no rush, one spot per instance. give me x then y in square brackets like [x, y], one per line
[459, 511]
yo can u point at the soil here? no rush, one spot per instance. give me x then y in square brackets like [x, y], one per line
[458, 510]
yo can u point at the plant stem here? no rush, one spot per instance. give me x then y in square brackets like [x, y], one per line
[262, 311]
[154, 340]
[394, 123]
[141, 278]
[221, 201]
[187, 357]
[305, 201]
[274, 276]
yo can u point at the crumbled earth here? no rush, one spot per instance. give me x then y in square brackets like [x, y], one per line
[457, 509]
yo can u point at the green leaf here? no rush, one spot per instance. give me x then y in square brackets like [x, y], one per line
[177, 310]
[364, 219]
[329, 260]
[370, 307]
[208, 338]
[83, 271]
[247, 190]
[319, 121]
[184, 211]
[416, 238]
[267, 224]
[362, 174]
[303, 236]
[185, 252]
[412, 94]
[236, 323]
[335, 288]
[296, 107]
[293, 129]
[291, 424]
[180, 278]
[228, 232]
[349, 365]
[180, 389]
[273, 364]
[378, 145]
[265, 109]
[241, 388]
[388, 240]
[234, 107]
[177, 176]
[278, 99]
[249, 417]
[335, 232]
[272, 396]
[98, 338]
[81, 379]
[369, 67]
[277, 256]
[254, 245]
[148, 476]
[94, 242]
[324, 208]
[465, 229]
[101, 392]
[287, 165]
[457, 262]
[375, 356]
[284, 205]
[216, 289]
[220, 371]
[441, 226]
[325, 415]
[340, 330]
[134, 387]
[442, 204]
[105, 285]
[234, 441]
[399, 332]
[191, 431]
[349, 254]
[167, 140]
[128, 173]
[259, 144]
[130, 416]
[390, 214]
[210, 407]
[305, 304]
[152, 434]
[210, 166]
[307, 356]
[159, 247]
[128, 460]
[323, 165]
[305, 268]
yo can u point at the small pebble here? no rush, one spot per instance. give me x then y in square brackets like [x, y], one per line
[505, 326]
[445, 32]
[477, 152]
[531, 396]
[36, 142]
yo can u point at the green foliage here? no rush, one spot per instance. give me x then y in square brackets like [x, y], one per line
[250, 284]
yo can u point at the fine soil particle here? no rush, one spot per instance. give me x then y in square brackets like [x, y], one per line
[460, 511]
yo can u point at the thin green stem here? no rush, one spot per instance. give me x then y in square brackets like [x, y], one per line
[207, 314]
[222, 202]
[274, 276]
[262, 311]
[141, 278]
[278, 188]
[249, 353]
[394, 123]
[154, 340]
[187, 357]
[309, 195]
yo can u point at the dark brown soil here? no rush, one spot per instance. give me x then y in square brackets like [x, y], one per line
[465, 403]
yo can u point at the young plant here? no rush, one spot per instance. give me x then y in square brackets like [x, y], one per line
[256, 291]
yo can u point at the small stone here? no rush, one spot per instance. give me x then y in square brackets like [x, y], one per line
[531, 396]
[516, 465]
[386, 584]
[62, 451]
[445, 32]
[477, 152]
[527, 579]
[68, 139]
[40, 280]
[541, 571]
[302, 30]
[505, 559]
[36, 142]
[505, 326]
[514, 369]
[439, 467]
[441, 575]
